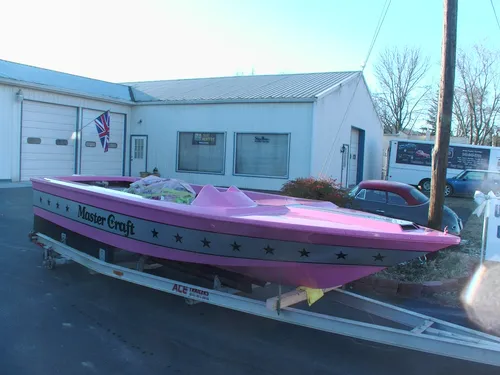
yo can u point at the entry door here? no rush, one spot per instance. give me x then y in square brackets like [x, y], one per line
[353, 157]
[344, 168]
[138, 154]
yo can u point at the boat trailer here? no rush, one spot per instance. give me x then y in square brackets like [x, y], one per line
[406, 329]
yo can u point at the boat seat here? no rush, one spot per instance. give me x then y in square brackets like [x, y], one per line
[233, 197]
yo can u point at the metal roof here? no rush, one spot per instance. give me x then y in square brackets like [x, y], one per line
[242, 88]
[68, 82]
[280, 87]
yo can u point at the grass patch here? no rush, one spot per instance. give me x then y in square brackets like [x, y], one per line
[472, 236]
[448, 264]
[454, 262]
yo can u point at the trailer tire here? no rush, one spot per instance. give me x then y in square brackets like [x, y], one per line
[49, 263]
[425, 184]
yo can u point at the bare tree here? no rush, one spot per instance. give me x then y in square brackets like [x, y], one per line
[477, 94]
[383, 113]
[399, 74]
[432, 110]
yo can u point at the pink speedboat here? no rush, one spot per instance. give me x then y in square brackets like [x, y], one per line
[268, 237]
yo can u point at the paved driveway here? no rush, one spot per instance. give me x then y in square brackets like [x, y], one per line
[67, 321]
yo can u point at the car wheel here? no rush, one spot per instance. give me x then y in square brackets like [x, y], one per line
[448, 190]
[426, 185]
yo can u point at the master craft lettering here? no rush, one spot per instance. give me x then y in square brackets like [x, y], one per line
[127, 228]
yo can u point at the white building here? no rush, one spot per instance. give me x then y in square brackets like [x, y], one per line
[254, 132]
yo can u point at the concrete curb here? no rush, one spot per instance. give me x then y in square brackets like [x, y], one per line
[13, 185]
[407, 289]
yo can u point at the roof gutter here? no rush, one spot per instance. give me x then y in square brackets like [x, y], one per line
[338, 85]
[30, 85]
[228, 101]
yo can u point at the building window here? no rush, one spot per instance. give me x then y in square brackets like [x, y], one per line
[113, 145]
[138, 148]
[61, 142]
[89, 144]
[34, 141]
[261, 154]
[201, 152]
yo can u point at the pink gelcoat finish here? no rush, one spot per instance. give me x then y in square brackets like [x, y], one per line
[250, 214]
[288, 273]
[281, 222]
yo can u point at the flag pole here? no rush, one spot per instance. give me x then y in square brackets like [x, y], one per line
[90, 122]
[83, 127]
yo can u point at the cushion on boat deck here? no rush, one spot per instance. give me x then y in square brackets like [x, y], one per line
[165, 189]
[209, 196]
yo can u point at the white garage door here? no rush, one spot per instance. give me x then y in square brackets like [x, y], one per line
[47, 140]
[353, 162]
[94, 161]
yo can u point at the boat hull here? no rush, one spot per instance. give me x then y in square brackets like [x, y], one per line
[90, 241]
[314, 259]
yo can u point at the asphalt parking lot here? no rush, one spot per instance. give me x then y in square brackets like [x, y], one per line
[66, 321]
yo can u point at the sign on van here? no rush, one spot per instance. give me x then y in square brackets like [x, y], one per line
[458, 157]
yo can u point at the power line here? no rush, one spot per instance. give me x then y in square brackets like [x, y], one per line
[495, 12]
[377, 31]
[372, 44]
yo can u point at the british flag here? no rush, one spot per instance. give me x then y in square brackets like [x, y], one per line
[102, 125]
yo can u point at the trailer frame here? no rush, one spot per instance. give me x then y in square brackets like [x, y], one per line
[421, 333]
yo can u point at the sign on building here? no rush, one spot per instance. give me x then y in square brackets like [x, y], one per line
[204, 139]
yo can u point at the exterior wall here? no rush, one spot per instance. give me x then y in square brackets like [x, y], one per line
[10, 116]
[312, 129]
[10, 121]
[162, 122]
[329, 134]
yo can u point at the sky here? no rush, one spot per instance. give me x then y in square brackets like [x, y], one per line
[125, 41]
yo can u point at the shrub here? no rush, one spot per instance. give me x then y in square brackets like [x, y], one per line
[323, 189]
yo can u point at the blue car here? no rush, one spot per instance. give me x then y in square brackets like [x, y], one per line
[467, 182]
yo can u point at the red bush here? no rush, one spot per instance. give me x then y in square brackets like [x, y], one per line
[323, 189]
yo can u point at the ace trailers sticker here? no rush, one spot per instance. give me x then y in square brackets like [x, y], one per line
[190, 292]
[458, 157]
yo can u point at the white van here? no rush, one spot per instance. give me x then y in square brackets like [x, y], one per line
[410, 161]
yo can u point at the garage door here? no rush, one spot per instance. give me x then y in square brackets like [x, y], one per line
[94, 161]
[353, 161]
[47, 140]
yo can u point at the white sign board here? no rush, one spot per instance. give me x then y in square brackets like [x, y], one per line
[492, 240]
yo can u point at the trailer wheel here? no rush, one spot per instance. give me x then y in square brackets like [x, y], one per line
[425, 184]
[49, 263]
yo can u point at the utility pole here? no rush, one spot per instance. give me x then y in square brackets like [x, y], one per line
[445, 108]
